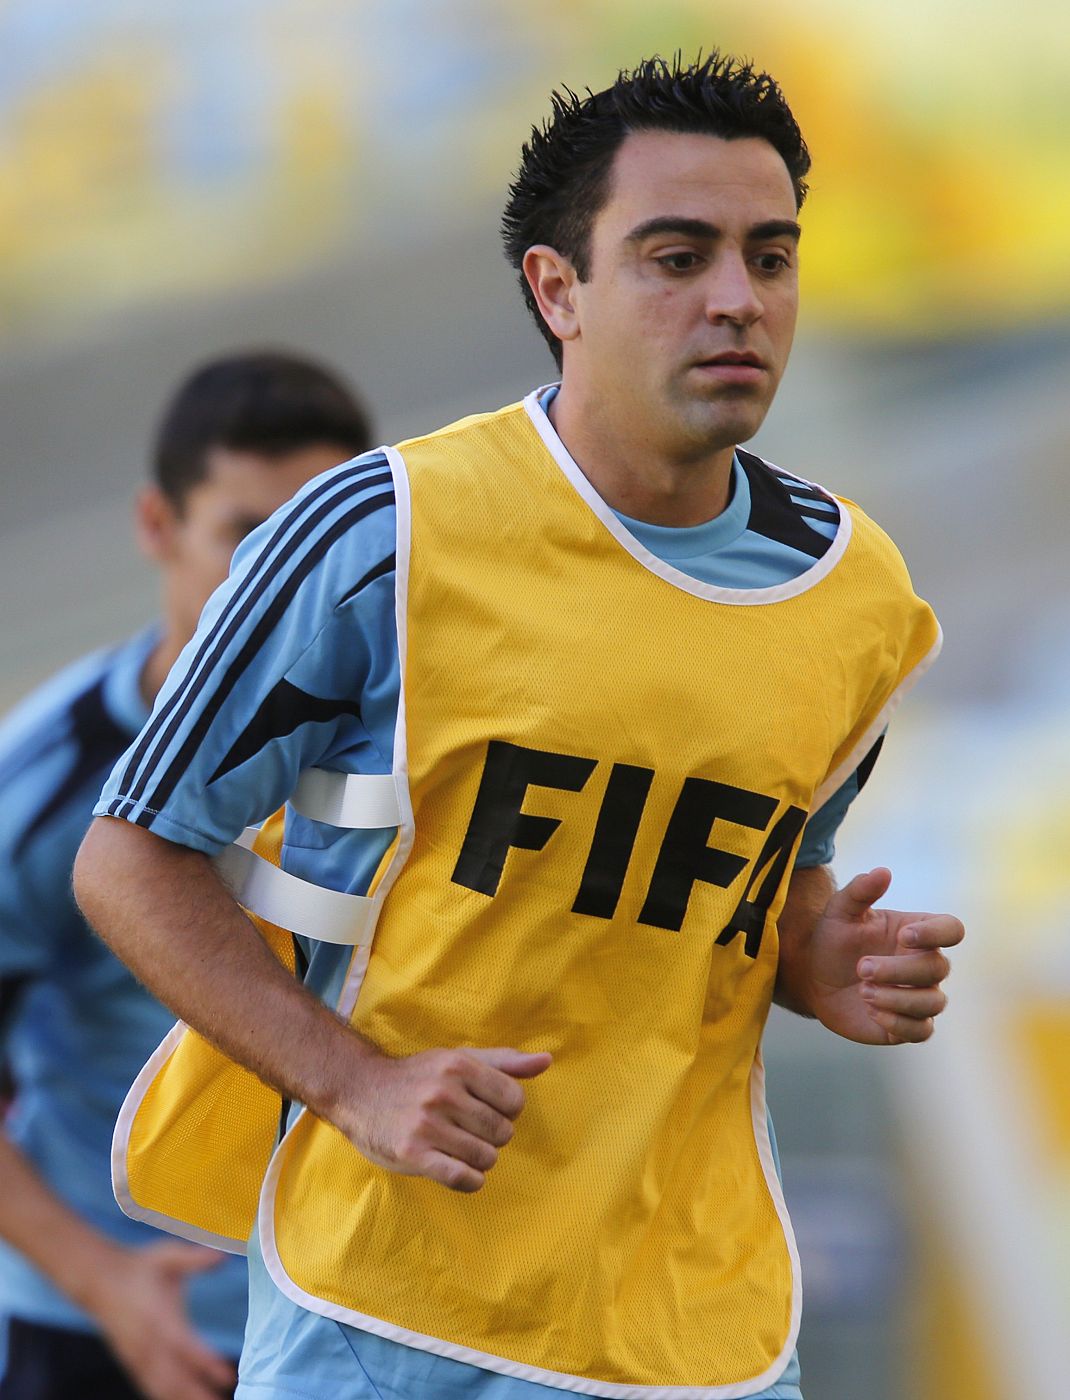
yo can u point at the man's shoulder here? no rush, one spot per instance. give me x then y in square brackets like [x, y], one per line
[58, 742]
[316, 509]
[815, 499]
[33, 721]
[799, 483]
[336, 486]
[790, 519]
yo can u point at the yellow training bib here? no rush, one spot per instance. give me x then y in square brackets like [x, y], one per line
[609, 766]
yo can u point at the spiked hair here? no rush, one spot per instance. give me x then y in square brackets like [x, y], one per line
[566, 165]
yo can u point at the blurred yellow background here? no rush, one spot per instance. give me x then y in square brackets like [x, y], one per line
[189, 147]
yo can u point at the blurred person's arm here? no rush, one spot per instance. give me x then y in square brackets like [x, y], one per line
[869, 974]
[135, 1295]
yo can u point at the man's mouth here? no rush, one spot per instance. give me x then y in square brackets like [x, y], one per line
[735, 357]
[738, 367]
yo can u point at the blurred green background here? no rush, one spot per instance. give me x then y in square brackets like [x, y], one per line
[185, 178]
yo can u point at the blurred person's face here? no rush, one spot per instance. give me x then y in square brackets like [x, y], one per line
[693, 263]
[193, 543]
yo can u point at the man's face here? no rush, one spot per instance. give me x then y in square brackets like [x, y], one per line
[194, 544]
[686, 321]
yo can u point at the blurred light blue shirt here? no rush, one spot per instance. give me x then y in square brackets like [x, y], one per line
[79, 1026]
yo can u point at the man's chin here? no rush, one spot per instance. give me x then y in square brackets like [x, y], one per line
[727, 424]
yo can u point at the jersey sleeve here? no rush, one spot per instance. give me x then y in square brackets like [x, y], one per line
[818, 844]
[288, 652]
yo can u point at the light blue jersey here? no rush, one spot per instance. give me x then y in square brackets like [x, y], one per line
[76, 1026]
[294, 666]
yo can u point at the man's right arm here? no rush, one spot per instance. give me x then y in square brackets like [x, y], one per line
[443, 1114]
[294, 666]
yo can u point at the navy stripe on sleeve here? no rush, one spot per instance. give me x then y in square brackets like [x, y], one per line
[159, 733]
[796, 485]
[166, 781]
[812, 513]
[292, 532]
[865, 768]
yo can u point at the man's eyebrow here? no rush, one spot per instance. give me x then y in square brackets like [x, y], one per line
[673, 223]
[700, 228]
[775, 228]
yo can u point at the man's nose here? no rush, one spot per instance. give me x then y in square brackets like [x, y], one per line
[731, 294]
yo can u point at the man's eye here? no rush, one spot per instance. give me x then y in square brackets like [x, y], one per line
[679, 262]
[772, 262]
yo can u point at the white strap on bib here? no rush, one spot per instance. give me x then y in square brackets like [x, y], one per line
[289, 902]
[347, 799]
[351, 800]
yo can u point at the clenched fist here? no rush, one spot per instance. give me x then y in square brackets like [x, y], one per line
[443, 1114]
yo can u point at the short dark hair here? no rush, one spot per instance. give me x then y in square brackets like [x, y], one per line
[564, 175]
[265, 401]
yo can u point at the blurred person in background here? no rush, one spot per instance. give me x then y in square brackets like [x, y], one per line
[99, 1307]
[634, 660]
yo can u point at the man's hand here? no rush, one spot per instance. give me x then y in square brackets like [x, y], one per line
[140, 1305]
[136, 1295]
[443, 1114]
[871, 975]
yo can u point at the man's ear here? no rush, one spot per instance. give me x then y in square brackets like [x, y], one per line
[155, 524]
[552, 280]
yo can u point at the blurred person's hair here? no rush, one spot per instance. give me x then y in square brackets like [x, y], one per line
[267, 402]
[565, 168]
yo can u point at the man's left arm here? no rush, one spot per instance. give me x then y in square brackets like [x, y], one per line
[869, 974]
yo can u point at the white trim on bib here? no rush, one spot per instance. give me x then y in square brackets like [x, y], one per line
[120, 1146]
[349, 800]
[843, 770]
[738, 597]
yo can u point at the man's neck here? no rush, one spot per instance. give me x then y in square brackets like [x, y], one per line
[633, 476]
